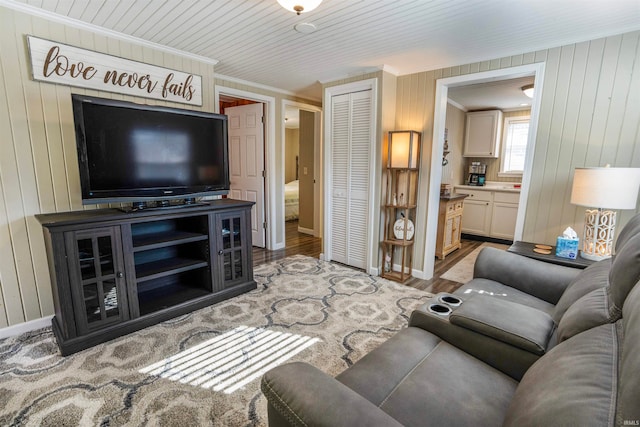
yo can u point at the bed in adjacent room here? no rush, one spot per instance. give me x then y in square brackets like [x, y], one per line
[291, 198]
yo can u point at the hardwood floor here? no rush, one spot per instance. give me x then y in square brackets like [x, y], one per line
[295, 243]
[304, 244]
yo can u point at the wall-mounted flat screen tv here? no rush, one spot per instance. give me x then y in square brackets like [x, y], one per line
[131, 152]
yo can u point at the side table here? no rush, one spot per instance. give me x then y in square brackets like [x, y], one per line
[526, 249]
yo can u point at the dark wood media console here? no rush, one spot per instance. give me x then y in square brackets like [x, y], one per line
[113, 272]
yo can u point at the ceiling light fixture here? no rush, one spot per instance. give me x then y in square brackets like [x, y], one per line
[528, 90]
[299, 6]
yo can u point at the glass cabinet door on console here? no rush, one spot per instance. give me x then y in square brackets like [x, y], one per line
[232, 250]
[96, 264]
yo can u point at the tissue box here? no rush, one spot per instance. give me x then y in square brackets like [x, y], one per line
[567, 248]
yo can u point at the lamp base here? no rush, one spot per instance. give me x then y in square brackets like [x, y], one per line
[599, 229]
[593, 257]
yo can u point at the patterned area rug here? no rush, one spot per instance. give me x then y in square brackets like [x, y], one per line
[462, 272]
[204, 368]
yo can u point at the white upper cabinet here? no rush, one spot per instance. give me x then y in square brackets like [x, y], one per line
[482, 134]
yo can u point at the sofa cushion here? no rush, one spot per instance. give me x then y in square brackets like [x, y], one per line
[594, 277]
[496, 289]
[574, 384]
[629, 386]
[631, 228]
[423, 393]
[377, 384]
[301, 395]
[624, 274]
[589, 311]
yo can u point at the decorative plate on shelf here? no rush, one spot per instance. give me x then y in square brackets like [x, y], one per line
[400, 226]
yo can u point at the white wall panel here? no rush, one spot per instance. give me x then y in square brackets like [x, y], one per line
[38, 160]
[589, 117]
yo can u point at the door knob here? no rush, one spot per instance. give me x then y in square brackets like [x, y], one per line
[220, 252]
[119, 275]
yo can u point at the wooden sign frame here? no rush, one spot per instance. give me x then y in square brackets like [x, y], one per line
[60, 63]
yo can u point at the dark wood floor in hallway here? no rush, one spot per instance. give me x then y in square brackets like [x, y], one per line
[305, 244]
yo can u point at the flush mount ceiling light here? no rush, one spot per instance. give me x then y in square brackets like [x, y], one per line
[528, 90]
[299, 6]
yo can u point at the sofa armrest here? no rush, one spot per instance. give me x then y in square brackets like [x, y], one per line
[512, 323]
[327, 402]
[538, 278]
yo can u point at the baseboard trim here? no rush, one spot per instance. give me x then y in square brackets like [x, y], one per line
[306, 231]
[21, 328]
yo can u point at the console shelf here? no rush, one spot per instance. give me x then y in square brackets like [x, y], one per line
[157, 269]
[154, 241]
[160, 298]
[115, 272]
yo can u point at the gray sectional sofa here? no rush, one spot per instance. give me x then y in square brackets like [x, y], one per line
[525, 343]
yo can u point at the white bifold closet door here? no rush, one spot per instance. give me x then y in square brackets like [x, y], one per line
[351, 145]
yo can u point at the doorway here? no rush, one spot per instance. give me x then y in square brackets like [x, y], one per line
[437, 151]
[302, 167]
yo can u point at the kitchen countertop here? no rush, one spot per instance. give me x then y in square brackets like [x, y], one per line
[508, 188]
[453, 196]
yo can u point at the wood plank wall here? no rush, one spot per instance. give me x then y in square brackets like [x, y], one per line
[38, 161]
[589, 117]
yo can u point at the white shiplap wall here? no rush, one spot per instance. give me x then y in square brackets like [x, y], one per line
[589, 116]
[38, 161]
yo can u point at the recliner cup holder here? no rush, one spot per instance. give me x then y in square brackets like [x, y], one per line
[450, 300]
[439, 309]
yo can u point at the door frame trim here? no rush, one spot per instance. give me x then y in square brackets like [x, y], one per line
[317, 160]
[374, 162]
[432, 193]
[272, 240]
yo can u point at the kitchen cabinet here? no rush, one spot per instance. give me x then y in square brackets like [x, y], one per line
[483, 131]
[449, 224]
[115, 272]
[477, 212]
[504, 214]
[490, 213]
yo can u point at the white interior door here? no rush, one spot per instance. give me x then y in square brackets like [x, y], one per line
[246, 163]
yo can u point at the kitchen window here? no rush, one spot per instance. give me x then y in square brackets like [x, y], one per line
[514, 146]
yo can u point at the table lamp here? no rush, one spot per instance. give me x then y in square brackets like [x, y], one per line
[606, 189]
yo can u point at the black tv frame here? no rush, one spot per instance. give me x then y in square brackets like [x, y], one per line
[161, 196]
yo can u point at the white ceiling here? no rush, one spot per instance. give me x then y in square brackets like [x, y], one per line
[501, 95]
[254, 40]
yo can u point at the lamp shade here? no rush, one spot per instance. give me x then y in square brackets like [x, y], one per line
[607, 188]
[300, 6]
[404, 149]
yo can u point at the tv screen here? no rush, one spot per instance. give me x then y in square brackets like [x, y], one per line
[132, 152]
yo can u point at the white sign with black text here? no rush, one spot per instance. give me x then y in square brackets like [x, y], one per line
[60, 63]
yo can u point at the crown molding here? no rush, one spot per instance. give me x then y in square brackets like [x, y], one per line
[41, 13]
[368, 70]
[389, 69]
[260, 86]
[455, 104]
